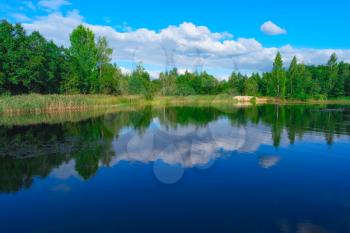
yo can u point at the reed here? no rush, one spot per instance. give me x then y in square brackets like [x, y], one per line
[34, 103]
[54, 104]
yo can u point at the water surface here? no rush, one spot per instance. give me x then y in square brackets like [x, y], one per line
[178, 169]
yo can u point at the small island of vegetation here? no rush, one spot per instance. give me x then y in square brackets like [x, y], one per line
[36, 75]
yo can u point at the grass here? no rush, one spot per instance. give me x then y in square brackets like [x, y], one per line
[53, 104]
[34, 103]
[194, 99]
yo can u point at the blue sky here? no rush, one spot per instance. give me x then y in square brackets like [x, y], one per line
[309, 29]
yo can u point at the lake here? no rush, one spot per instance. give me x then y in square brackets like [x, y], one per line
[256, 169]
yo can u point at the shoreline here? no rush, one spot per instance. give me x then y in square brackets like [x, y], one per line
[57, 104]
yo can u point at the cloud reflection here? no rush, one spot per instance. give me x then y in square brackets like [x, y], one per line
[310, 228]
[65, 171]
[190, 146]
[270, 161]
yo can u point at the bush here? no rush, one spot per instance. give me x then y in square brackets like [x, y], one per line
[253, 101]
[184, 90]
[320, 97]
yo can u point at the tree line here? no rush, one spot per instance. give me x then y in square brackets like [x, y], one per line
[29, 63]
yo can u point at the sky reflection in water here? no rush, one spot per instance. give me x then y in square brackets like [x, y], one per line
[255, 169]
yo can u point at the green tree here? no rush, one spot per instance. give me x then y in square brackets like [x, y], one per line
[104, 55]
[236, 83]
[13, 55]
[304, 84]
[339, 83]
[278, 77]
[332, 76]
[168, 82]
[344, 70]
[292, 77]
[184, 84]
[251, 86]
[140, 82]
[266, 88]
[110, 81]
[208, 84]
[84, 58]
[29, 63]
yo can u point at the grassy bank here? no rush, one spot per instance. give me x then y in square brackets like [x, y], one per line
[38, 104]
[14, 105]
[61, 103]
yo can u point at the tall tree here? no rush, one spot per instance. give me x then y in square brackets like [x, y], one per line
[168, 82]
[85, 57]
[279, 77]
[292, 77]
[109, 74]
[251, 85]
[140, 82]
[13, 55]
[332, 75]
[208, 84]
[304, 85]
[28, 63]
[345, 72]
[104, 54]
[339, 85]
[236, 83]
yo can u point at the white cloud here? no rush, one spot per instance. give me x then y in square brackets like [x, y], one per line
[186, 46]
[53, 4]
[271, 28]
[20, 17]
[125, 70]
[55, 26]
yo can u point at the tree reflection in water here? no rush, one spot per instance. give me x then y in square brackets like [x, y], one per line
[185, 136]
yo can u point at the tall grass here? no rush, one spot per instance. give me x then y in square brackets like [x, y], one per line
[194, 99]
[35, 103]
[53, 104]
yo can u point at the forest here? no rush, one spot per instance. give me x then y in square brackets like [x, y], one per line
[29, 63]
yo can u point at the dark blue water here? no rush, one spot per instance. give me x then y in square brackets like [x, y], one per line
[180, 169]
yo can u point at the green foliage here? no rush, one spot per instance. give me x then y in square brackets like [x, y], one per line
[208, 84]
[278, 76]
[292, 77]
[251, 85]
[168, 82]
[109, 80]
[236, 83]
[31, 64]
[88, 142]
[84, 59]
[140, 81]
[28, 63]
[195, 83]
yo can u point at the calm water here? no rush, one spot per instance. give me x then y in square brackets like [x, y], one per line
[179, 169]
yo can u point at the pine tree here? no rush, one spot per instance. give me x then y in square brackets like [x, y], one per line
[345, 71]
[339, 83]
[279, 77]
[292, 78]
[332, 76]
